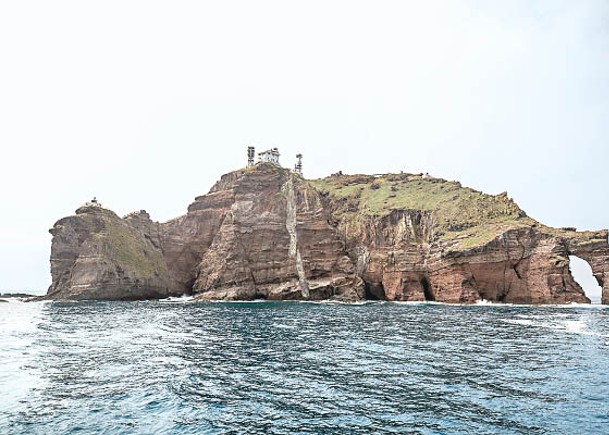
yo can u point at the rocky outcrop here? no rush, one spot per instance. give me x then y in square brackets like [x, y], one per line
[275, 243]
[187, 238]
[593, 248]
[518, 266]
[261, 232]
[266, 233]
[97, 255]
[458, 245]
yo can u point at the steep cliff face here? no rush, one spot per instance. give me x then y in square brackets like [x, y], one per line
[185, 240]
[260, 232]
[417, 238]
[97, 255]
[274, 243]
[263, 232]
[518, 266]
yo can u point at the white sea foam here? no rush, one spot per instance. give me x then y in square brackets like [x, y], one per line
[422, 303]
[335, 302]
[526, 322]
[576, 326]
[19, 356]
[15, 300]
[576, 305]
[570, 326]
[572, 305]
[233, 302]
[183, 298]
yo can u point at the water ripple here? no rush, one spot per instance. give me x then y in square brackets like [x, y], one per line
[283, 368]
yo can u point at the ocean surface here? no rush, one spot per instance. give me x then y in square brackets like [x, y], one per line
[176, 367]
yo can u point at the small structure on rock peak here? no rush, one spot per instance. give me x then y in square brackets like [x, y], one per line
[298, 165]
[93, 203]
[251, 153]
[269, 156]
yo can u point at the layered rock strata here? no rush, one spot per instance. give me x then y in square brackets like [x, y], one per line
[260, 233]
[274, 242]
[519, 266]
[97, 255]
[266, 233]
[415, 238]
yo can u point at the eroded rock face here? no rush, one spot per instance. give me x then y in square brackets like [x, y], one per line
[275, 243]
[519, 266]
[259, 233]
[460, 246]
[97, 255]
[265, 233]
[595, 251]
[187, 238]
[398, 261]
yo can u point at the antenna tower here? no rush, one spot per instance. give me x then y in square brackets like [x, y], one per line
[251, 152]
[298, 166]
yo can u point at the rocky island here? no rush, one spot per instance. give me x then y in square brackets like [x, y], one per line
[265, 232]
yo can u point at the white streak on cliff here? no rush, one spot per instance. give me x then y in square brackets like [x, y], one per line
[290, 224]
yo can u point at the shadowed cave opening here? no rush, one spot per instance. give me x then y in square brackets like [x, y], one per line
[374, 292]
[582, 274]
[427, 289]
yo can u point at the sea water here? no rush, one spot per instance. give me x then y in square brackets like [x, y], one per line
[165, 367]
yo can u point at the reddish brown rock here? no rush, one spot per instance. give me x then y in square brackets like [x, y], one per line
[97, 255]
[519, 266]
[275, 243]
[264, 232]
[260, 232]
[185, 239]
[460, 246]
[593, 248]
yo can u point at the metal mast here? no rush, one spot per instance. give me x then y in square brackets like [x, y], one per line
[251, 152]
[298, 166]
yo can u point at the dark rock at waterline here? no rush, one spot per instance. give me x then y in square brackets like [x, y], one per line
[17, 295]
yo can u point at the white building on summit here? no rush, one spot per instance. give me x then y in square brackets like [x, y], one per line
[270, 156]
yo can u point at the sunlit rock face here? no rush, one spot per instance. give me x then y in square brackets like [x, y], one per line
[274, 242]
[518, 266]
[261, 232]
[266, 233]
[413, 237]
[97, 255]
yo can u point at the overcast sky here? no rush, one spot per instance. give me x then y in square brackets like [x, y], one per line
[145, 103]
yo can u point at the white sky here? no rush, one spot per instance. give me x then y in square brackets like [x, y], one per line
[145, 103]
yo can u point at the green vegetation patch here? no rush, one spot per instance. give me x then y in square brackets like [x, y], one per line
[459, 214]
[130, 250]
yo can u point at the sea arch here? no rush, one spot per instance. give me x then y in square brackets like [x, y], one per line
[583, 275]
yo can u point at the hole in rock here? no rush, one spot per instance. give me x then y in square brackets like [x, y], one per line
[582, 273]
[427, 290]
[375, 292]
